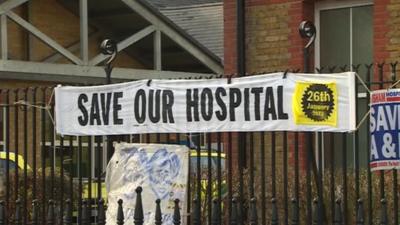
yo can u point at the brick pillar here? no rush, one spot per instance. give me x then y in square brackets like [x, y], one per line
[385, 37]
[273, 43]
[230, 36]
[381, 36]
[230, 67]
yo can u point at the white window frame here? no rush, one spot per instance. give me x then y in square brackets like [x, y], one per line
[326, 5]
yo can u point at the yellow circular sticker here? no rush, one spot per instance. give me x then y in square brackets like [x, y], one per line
[315, 104]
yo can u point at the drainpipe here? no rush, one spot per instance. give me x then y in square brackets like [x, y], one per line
[241, 70]
[109, 48]
[240, 35]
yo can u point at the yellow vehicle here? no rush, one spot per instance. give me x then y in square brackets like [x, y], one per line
[204, 172]
[12, 160]
[94, 188]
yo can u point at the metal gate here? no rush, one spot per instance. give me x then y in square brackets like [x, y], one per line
[236, 178]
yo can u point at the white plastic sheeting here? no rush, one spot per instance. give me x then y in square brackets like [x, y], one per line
[162, 172]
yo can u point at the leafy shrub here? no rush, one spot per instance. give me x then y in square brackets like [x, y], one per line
[338, 193]
[59, 192]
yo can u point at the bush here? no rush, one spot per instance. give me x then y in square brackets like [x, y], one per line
[338, 193]
[60, 186]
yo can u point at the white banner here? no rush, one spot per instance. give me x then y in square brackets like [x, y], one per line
[299, 102]
[161, 171]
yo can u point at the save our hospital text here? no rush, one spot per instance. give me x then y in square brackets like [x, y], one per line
[202, 104]
[266, 102]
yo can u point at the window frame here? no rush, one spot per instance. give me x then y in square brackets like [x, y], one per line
[327, 5]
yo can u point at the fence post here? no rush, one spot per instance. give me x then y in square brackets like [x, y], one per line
[253, 212]
[85, 213]
[176, 218]
[50, 213]
[101, 218]
[17, 216]
[337, 220]
[58, 214]
[360, 212]
[317, 212]
[138, 214]
[2, 213]
[158, 216]
[274, 217]
[120, 213]
[295, 212]
[196, 215]
[215, 213]
[234, 213]
[240, 209]
[35, 212]
[384, 216]
[67, 219]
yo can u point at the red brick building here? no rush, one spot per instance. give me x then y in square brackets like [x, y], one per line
[50, 42]
[348, 33]
[273, 42]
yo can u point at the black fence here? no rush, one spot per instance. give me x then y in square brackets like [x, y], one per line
[235, 178]
[67, 216]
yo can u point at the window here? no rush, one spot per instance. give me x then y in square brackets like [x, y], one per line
[345, 37]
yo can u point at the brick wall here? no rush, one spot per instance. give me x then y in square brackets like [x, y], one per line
[272, 44]
[22, 132]
[62, 26]
[386, 32]
[229, 36]
[381, 30]
[272, 39]
[267, 37]
[16, 38]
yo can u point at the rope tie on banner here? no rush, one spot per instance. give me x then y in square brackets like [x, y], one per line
[394, 84]
[369, 111]
[285, 74]
[369, 91]
[363, 83]
[46, 107]
[363, 119]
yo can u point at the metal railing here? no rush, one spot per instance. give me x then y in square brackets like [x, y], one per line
[67, 216]
[274, 178]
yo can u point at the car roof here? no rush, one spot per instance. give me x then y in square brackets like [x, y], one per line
[12, 158]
